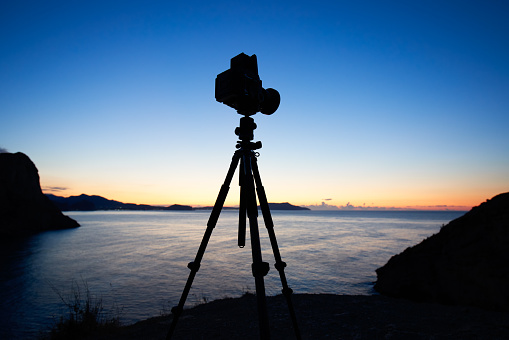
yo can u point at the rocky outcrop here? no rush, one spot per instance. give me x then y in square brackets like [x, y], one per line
[466, 263]
[24, 209]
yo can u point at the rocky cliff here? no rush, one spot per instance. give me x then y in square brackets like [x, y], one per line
[24, 209]
[466, 263]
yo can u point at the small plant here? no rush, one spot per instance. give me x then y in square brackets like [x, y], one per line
[85, 315]
[199, 300]
[246, 291]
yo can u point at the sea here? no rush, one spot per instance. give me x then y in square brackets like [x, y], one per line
[135, 262]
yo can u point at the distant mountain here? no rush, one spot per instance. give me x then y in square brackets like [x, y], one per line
[211, 207]
[90, 203]
[24, 210]
[272, 206]
[179, 207]
[285, 206]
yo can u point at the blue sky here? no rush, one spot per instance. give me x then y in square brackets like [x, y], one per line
[389, 104]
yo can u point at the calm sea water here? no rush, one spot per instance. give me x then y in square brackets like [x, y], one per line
[137, 261]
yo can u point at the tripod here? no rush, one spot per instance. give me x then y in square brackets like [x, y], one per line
[248, 177]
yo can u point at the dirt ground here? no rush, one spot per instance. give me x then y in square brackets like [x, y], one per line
[324, 316]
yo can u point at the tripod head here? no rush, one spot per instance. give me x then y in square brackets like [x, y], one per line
[245, 131]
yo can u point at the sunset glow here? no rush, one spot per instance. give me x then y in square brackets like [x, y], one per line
[402, 106]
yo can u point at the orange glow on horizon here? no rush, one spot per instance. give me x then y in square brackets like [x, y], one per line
[232, 201]
[358, 198]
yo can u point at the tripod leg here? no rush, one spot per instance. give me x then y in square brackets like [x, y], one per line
[242, 208]
[259, 268]
[280, 265]
[195, 265]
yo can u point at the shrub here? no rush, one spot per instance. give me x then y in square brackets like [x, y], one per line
[85, 315]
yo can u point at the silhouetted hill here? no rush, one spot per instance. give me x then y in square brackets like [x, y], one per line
[285, 206]
[211, 207]
[467, 262]
[272, 206]
[87, 203]
[90, 203]
[24, 209]
[179, 207]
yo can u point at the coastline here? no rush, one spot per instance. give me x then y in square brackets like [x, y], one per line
[325, 316]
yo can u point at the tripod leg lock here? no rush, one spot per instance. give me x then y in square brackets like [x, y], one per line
[280, 265]
[260, 268]
[193, 266]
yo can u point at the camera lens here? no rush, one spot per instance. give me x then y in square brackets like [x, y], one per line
[271, 101]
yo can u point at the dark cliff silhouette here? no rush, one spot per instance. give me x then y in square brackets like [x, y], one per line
[466, 263]
[24, 209]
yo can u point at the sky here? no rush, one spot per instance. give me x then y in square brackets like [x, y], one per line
[383, 104]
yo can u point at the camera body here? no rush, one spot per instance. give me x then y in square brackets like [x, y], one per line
[240, 87]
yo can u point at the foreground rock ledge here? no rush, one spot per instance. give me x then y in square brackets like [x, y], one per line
[466, 263]
[325, 316]
[24, 209]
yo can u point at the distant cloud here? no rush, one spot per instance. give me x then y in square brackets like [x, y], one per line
[54, 189]
[3, 150]
[349, 206]
[326, 199]
[323, 206]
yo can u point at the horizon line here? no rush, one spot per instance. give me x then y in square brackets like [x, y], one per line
[315, 207]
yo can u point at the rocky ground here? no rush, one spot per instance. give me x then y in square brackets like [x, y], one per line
[323, 316]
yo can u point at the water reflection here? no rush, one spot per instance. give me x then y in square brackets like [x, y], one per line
[137, 260]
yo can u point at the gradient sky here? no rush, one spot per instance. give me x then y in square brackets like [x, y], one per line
[387, 104]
